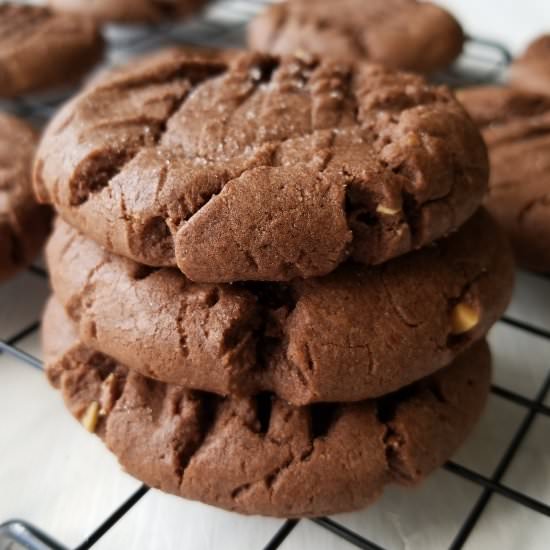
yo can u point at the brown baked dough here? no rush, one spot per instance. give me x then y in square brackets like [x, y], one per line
[40, 50]
[403, 34]
[261, 169]
[516, 126]
[24, 225]
[357, 333]
[129, 11]
[531, 71]
[260, 455]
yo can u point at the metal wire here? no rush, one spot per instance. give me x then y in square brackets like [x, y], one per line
[346, 534]
[280, 536]
[501, 469]
[113, 518]
[223, 23]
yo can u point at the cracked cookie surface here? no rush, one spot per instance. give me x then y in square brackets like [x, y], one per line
[531, 70]
[516, 127]
[260, 455]
[129, 11]
[403, 34]
[359, 332]
[247, 167]
[40, 49]
[24, 224]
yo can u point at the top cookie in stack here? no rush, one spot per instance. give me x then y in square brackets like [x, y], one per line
[247, 167]
[340, 358]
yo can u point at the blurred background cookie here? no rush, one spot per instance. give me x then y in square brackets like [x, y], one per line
[24, 225]
[516, 127]
[40, 50]
[531, 71]
[405, 34]
[130, 11]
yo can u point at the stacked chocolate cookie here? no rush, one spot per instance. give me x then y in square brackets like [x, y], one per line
[271, 283]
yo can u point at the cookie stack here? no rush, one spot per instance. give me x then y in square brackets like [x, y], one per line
[271, 283]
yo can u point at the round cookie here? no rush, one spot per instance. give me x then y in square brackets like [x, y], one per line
[24, 225]
[260, 455]
[531, 71]
[129, 11]
[41, 50]
[403, 34]
[357, 333]
[248, 167]
[516, 127]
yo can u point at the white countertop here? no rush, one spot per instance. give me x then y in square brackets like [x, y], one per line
[56, 476]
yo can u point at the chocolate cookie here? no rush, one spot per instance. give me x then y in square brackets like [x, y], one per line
[24, 225]
[516, 126]
[357, 333]
[41, 50]
[129, 11]
[260, 455]
[403, 34]
[531, 71]
[248, 167]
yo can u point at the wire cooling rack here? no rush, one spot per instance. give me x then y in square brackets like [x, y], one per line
[223, 24]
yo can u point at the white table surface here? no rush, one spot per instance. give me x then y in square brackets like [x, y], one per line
[56, 476]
